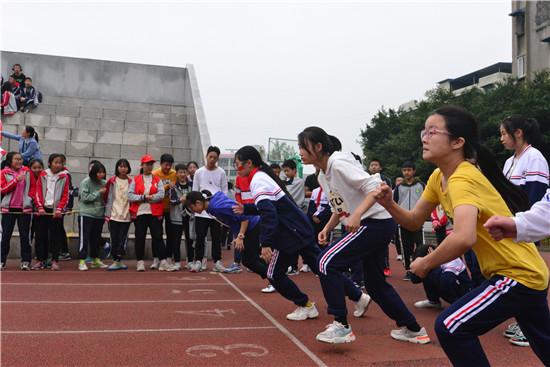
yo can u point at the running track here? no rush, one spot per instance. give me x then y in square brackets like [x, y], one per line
[97, 318]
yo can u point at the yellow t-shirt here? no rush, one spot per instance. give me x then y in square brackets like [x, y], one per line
[467, 185]
[166, 179]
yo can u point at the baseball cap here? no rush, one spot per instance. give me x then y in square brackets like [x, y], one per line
[147, 159]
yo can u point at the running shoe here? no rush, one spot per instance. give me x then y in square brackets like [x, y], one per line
[362, 305]
[336, 333]
[519, 339]
[303, 313]
[292, 271]
[165, 266]
[218, 267]
[233, 269]
[25, 266]
[428, 304]
[269, 289]
[204, 264]
[155, 264]
[98, 264]
[64, 256]
[82, 265]
[39, 265]
[177, 266]
[117, 265]
[417, 337]
[512, 330]
[55, 266]
[305, 269]
[140, 265]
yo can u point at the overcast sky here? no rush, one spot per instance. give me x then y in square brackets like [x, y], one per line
[271, 69]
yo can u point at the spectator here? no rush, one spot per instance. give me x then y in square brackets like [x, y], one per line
[192, 167]
[276, 169]
[375, 166]
[406, 195]
[15, 89]
[311, 183]
[9, 102]
[28, 144]
[18, 75]
[180, 218]
[168, 178]
[29, 98]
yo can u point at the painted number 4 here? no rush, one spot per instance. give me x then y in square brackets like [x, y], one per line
[212, 313]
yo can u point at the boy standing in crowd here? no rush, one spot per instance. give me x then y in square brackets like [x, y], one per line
[168, 178]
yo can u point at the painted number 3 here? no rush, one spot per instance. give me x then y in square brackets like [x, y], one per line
[210, 351]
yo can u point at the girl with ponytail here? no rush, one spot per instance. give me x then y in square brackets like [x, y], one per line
[286, 231]
[471, 188]
[28, 144]
[245, 228]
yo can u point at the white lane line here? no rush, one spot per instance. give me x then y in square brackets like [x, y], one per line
[278, 325]
[125, 301]
[114, 331]
[114, 284]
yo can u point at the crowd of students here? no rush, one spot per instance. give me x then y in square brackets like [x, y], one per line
[18, 93]
[483, 265]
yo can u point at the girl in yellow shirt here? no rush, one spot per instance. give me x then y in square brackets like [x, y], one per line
[517, 276]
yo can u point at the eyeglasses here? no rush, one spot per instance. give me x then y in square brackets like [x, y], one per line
[431, 132]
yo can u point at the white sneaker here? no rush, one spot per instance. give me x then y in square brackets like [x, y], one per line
[399, 258]
[362, 305]
[140, 265]
[25, 266]
[269, 289]
[406, 335]
[82, 266]
[428, 304]
[165, 266]
[189, 265]
[305, 269]
[196, 266]
[204, 263]
[303, 313]
[155, 264]
[177, 266]
[336, 333]
[218, 267]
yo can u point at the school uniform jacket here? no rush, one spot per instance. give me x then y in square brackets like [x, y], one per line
[109, 195]
[8, 184]
[136, 196]
[221, 208]
[534, 224]
[285, 227]
[61, 191]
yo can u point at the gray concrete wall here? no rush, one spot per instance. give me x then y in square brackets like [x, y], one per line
[100, 79]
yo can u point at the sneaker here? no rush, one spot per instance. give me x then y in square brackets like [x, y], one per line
[407, 275]
[399, 258]
[177, 266]
[292, 271]
[196, 267]
[303, 313]
[140, 266]
[2, 266]
[39, 265]
[155, 264]
[305, 268]
[406, 335]
[336, 333]
[269, 289]
[362, 305]
[165, 266]
[25, 266]
[387, 272]
[117, 265]
[428, 304]
[218, 267]
[82, 265]
[55, 266]
[64, 256]
[233, 269]
[520, 340]
[89, 260]
[98, 264]
[204, 264]
[512, 330]
[189, 265]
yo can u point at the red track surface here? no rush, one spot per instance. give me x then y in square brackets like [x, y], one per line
[97, 318]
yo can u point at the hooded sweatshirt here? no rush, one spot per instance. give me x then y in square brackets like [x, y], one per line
[347, 184]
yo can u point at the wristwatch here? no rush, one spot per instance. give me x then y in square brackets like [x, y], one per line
[240, 236]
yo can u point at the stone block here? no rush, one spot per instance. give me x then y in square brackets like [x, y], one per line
[48, 147]
[37, 120]
[72, 102]
[114, 114]
[106, 151]
[78, 164]
[182, 155]
[177, 109]
[11, 145]
[136, 127]
[55, 133]
[77, 149]
[159, 140]
[109, 137]
[160, 108]
[87, 123]
[111, 125]
[51, 99]
[180, 141]
[44, 109]
[156, 152]
[109, 164]
[137, 116]
[178, 118]
[83, 136]
[17, 119]
[91, 112]
[67, 110]
[134, 139]
[159, 117]
[133, 152]
[135, 164]
[138, 107]
[160, 128]
[180, 130]
[63, 121]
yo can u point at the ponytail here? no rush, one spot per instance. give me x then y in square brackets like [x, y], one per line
[250, 153]
[529, 127]
[32, 133]
[462, 124]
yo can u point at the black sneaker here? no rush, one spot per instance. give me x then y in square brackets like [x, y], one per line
[408, 275]
[64, 256]
[292, 271]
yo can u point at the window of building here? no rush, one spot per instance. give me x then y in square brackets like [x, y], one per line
[521, 66]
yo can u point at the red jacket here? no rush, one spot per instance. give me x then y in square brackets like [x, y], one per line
[242, 191]
[157, 209]
[61, 191]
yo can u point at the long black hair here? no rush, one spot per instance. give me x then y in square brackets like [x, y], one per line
[9, 158]
[193, 196]
[314, 135]
[529, 127]
[460, 123]
[122, 162]
[250, 153]
[96, 168]
[32, 133]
